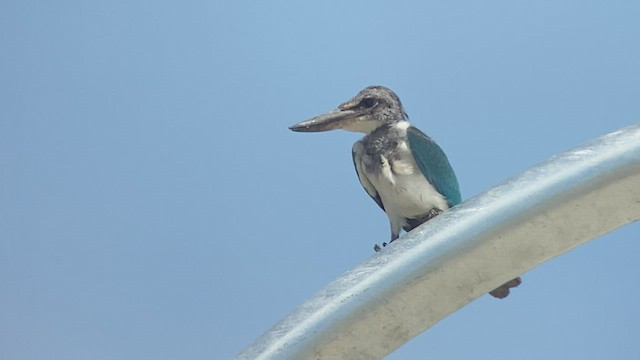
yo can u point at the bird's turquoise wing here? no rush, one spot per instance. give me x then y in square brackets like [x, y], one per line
[434, 165]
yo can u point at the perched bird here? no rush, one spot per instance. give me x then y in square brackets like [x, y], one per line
[403, 170]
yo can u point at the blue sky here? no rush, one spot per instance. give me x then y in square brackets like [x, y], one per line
[154, 205]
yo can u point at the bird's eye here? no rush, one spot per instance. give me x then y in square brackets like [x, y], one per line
[369, 102]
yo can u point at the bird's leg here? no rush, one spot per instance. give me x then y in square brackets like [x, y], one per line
[411, 224]
[415, 222]
[394, 236]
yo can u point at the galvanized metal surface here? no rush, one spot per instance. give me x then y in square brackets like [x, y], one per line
[464, 253]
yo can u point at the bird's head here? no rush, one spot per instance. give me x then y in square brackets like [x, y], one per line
[373, 107]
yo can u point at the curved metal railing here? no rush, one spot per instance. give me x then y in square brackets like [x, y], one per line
[464, 253]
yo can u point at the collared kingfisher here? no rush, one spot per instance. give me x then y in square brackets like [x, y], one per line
[403, 170]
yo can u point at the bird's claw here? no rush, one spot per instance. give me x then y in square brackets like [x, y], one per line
[377, 247]
[503, 291]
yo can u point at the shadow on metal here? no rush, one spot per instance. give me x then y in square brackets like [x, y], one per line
[462, 254]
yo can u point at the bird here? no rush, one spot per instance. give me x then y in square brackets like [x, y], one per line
[401, 168]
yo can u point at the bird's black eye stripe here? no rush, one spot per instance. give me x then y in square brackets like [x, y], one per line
[368, 102]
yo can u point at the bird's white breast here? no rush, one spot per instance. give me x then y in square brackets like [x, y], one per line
[395, 177]
[403, 189]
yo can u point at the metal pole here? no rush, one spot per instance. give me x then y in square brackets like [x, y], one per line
[464, 253]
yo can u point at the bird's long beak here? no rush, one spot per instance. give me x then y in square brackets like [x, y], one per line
[329, 121]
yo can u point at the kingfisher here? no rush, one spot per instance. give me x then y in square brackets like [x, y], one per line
[401, 168]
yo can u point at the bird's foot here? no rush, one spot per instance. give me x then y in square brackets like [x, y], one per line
[503, 291]
[377, 247]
